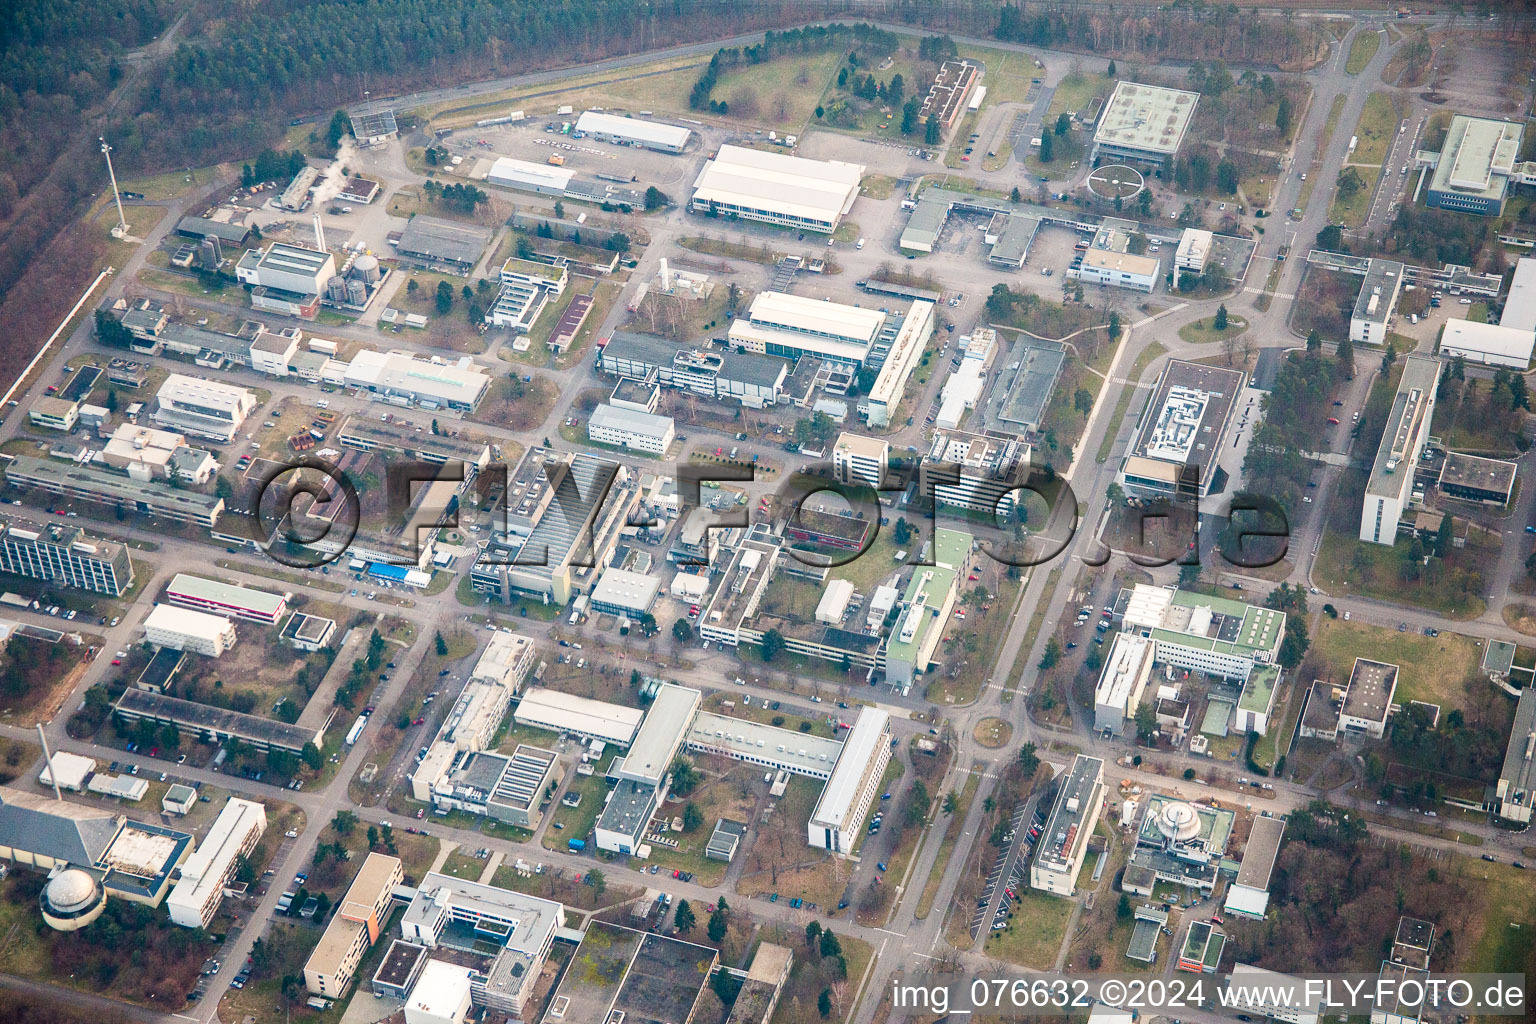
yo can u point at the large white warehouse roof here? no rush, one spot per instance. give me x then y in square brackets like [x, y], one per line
[633, 128]
[859, 749]
[1487, 343]
[821, 190]
[550, 709]
[816, 316]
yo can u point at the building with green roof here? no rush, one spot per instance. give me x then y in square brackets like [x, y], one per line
[929, 600]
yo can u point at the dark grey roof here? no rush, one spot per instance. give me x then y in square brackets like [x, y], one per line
[645, 348]
[54, 828]
[205, 718]
[444, 240]
[198, 227]
[750, 368]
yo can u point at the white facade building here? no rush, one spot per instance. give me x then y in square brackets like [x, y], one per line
[780, 324]
[202, 407]
[182, 629]
[854, 785]
[1390, 486]
[1194, 249]
[579, 716]
[1123, 682]
[857, 459]
[234, 833]
[1376, 303]
[906, 350]
[634, 131]
[1489, 344]
[1119, 270]
[1064, 840]
[775, 188]
[631, 429]
[430, 383]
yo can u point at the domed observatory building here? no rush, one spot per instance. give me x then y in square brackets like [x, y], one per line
[72, 899]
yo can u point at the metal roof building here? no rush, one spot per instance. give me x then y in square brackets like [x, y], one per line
[433, 241]
[667, 138]
[621, 592]
[781, 324]
[770, 746]
[661, 734]
[530, 177]
[776, 188]
[1520, 303]
[1490, 344]
[581, 716]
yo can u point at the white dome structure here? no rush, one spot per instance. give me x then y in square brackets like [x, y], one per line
[72, 899]
[1178, 821]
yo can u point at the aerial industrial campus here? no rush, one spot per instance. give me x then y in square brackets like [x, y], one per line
[764, 515]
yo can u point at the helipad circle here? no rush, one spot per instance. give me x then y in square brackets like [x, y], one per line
[1116, 181]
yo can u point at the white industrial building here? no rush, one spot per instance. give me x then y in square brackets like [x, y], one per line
[622, 592]
[775, 188]
[233, 834]
[1123, 682]
[288, 268]
[962, 388]
[644, 775]
[854, 784]
[70, 771]
[834, 602]
[578, 716]
[1194, 249]
[530, 177]
[1489, 344]
[634, 131]
[442, 995]
[1376, 303]
[901, 359]
[430, 383]
[813, 757]
[1520, 304]
[205, 408]
[631, 429]
[1119, 270]
[526, 287]
[1255, 989]
[183, 629]
[857, 459]
[1390, 486]
[1064, 839]
[781, 324]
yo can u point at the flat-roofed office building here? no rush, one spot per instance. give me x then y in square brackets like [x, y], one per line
[1402, 443]
[1376, 303]
[1473, 171]
[1182, 429]
[854, 784]
[226, 598]
[64, 555]
[356, 925]
[1143, 123]
[1064, 840]
[150, 498]
[206, 408]
[233, 834]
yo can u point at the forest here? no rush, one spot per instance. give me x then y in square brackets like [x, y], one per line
[1292, 410]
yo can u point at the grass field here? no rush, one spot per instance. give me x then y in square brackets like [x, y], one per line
[1036, 925]
[1351, 210]
[781, 93]
[663, 85]
[947, 847]
[1430, 669]
[1361, 51]
[1349, 565]
[1203, 332]
[1075, 91]
[1009, 74]
[175, 184]
[1376, 129]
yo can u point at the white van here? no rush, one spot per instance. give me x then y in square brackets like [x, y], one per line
[859, 244]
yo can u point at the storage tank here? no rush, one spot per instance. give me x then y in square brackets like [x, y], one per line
[357, 292]
[366, 268]
[336, 289]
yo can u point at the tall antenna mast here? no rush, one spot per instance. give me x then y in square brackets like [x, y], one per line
[53, 775]
[121, 231]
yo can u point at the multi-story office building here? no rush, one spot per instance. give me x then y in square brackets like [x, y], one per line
[64, 555]
[1390, 486]
[202, 407]
[1182, 431]
[357, 924]
[182, 629]
[857, 459]
[1376, 303]
[991, 467]
[113, 489]
[1143, 123]
[854, 786]
[1475, 168]
[1064, 840]
[233, 834]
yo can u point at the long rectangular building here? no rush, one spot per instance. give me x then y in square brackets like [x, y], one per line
[145, 497]
[634, 131]
[1402, 443]
[64, 555]
[780, 324]
[429, 383]
[1064, 840]
[206, 408]
[215, 725]
[1515, 793]
[854, 785]
[233, 834]
[357, 925]
[775, 188]
[579, 716]
[226, 599]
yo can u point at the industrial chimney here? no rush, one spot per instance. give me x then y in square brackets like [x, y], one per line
[319, 235]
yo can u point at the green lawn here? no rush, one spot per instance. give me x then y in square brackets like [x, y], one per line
[1075, 92]
[1431, 669]
[781, 93]
[1203, 332]
[1351, 210]
[947, 847]
[1009, 74]
[1139, 367]
[1364, 47]
[1346, 564]
[1509, 921]
[1036, 926]
[1376, 129]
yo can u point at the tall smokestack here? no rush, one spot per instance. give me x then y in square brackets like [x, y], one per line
[319, 235]
[48, 759]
